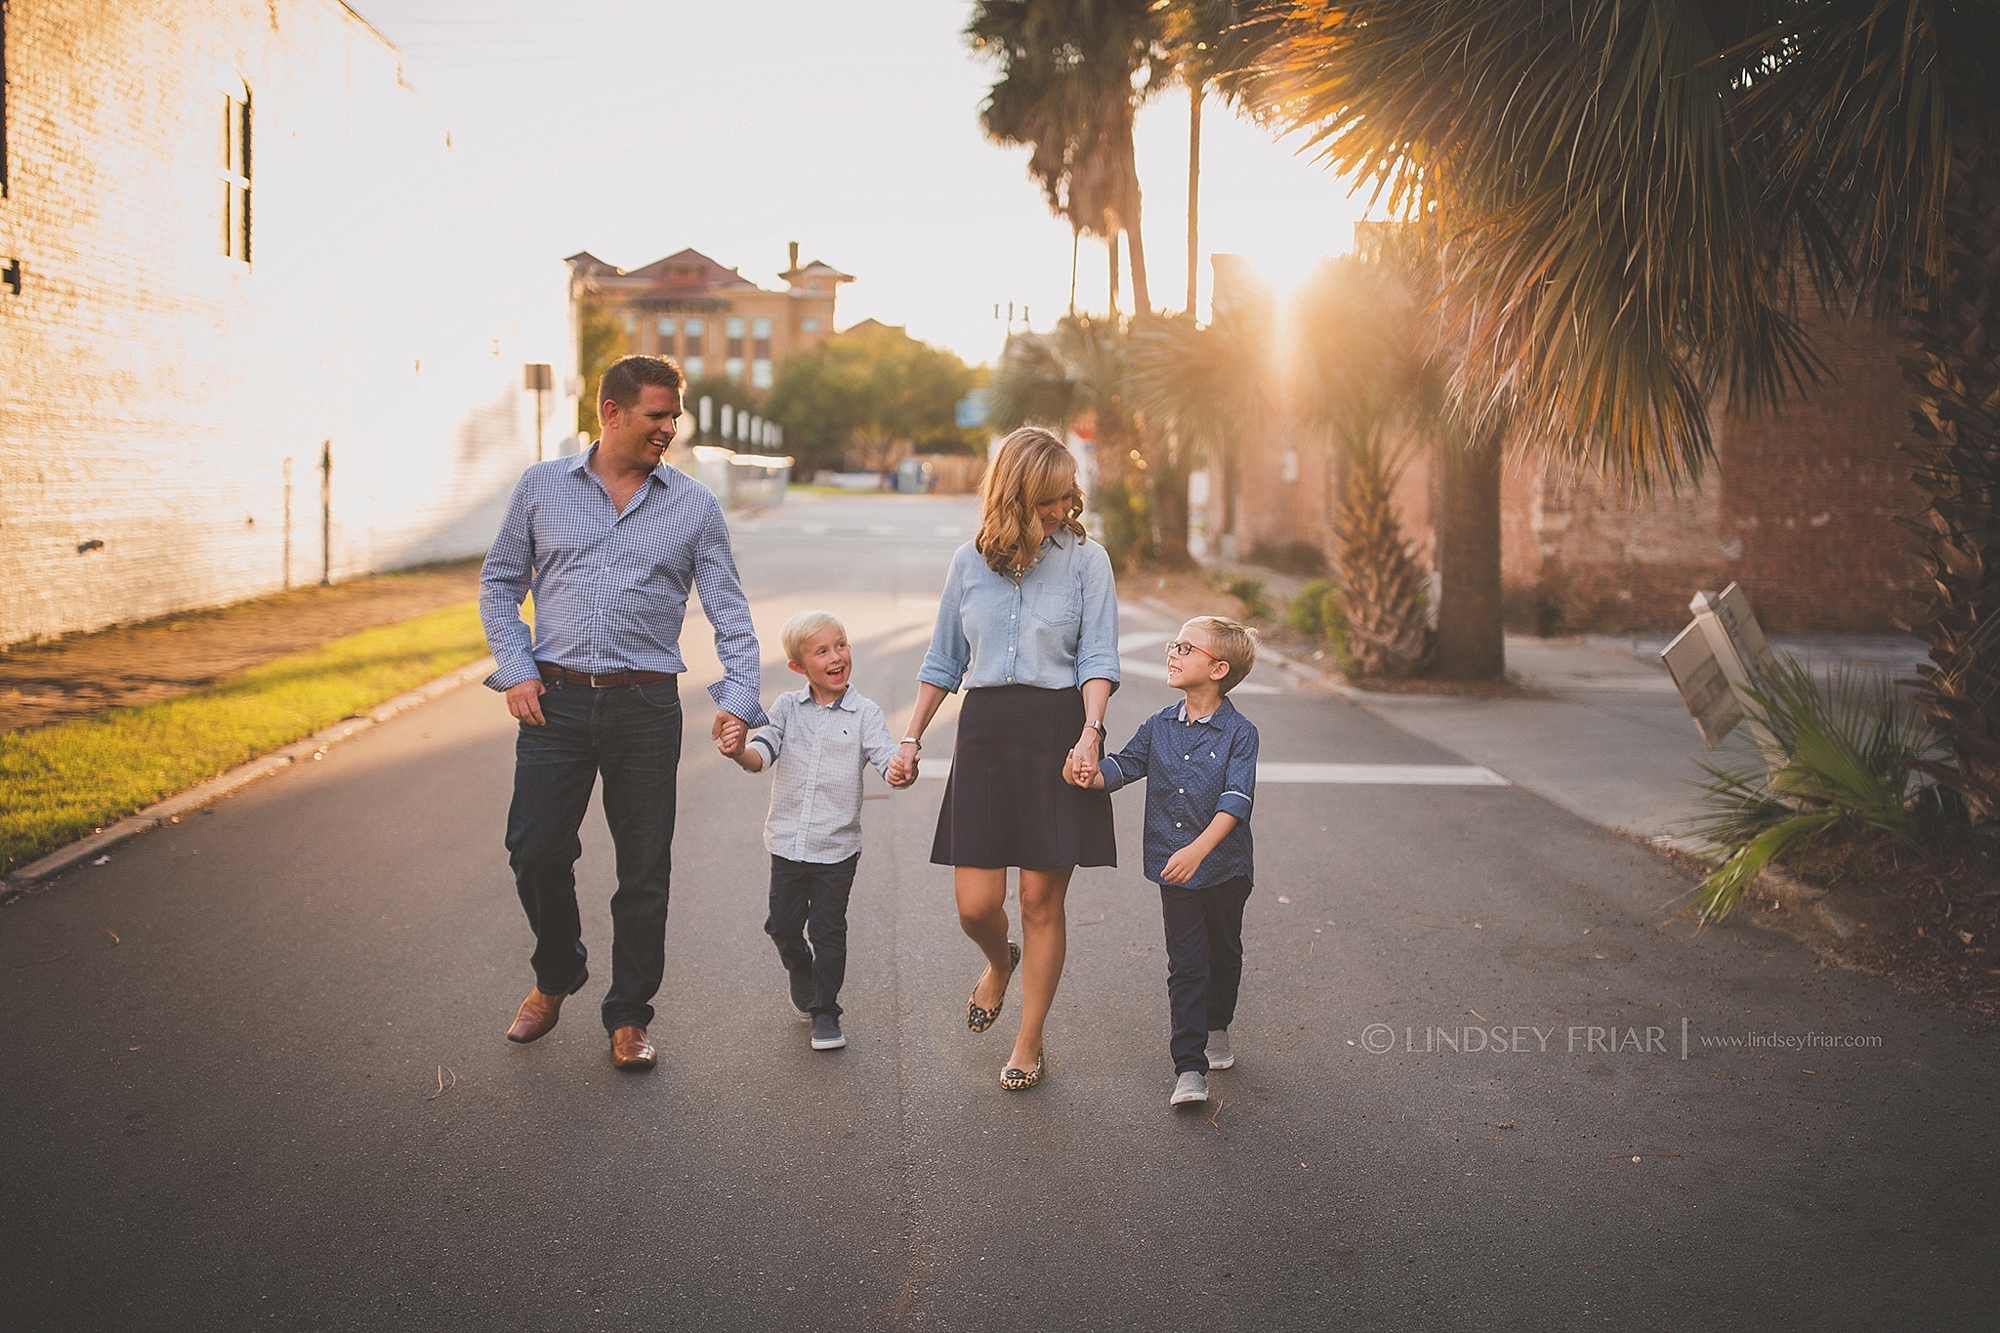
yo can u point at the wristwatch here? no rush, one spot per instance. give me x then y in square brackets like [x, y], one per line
[1102, 734]
[911, 740]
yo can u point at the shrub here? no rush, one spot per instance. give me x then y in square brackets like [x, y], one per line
[1127, 529]
[1250, 592]
[1840, 759]
[1307, 613]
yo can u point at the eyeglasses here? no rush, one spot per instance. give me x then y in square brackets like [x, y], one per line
[1181, 648]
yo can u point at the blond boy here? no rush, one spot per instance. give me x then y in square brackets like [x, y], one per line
[1199, 759]
[818, 742]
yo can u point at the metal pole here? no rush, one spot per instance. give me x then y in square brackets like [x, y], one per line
[326, 513]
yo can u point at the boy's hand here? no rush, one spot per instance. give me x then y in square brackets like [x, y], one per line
[729, 733]
[1069, 770]
[1182, 865]
[902, 773]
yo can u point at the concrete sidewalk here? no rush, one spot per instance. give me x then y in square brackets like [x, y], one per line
[1611, 741]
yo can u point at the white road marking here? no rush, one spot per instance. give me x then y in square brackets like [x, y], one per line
[1386, 775]
[1346, 775]
[1145, 668]
[1142, 638]
[812, 529]
[927, 603]
[881, 530]
[947, 530]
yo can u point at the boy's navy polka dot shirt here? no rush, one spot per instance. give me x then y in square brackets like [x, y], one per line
[1194, 770]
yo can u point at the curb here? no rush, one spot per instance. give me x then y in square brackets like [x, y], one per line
[96, 844]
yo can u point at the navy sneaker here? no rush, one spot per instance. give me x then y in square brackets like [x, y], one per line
[827, 1035]
[804, 991]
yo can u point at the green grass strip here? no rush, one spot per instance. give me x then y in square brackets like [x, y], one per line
[58, 783]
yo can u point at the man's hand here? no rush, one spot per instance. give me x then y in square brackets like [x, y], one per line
[729, 732]
[1183, 863]
[524, 701]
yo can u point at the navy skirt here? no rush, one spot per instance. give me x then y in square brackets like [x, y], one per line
[1006, 803]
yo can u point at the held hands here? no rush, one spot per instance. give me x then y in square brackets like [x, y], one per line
[524, 701]
[1080, 769]
[729, 733]
[903, 768]
[1095, 781]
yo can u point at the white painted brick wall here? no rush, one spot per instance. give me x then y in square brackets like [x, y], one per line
[151, 390]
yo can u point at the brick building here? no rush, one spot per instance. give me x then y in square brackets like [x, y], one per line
[1799, 507]
[712, 319]
[231, 252]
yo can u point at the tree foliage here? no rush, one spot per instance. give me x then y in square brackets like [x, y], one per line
[601, 340]
[865, 391]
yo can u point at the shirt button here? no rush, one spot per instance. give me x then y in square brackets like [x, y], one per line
[1183, 791]
[1177, 823]
[1187, 756]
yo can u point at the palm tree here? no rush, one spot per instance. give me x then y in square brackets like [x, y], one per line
[1628, 195]
[1071, 75]
[1206, 391]
[1075, 370]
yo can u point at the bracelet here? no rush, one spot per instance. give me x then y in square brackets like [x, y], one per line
[912, 740]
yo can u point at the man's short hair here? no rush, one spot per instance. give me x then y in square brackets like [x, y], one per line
[802, 627]
[1234, 643]
[630, 374]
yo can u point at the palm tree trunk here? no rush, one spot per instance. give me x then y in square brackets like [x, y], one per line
[1195, 91]
[1111, 249]
[1142, 300]
[1956, 382]
[1470, 642]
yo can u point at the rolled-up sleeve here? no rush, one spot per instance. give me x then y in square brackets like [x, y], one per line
[1129, 764]
[1239, 782]
[950, 652]
[770, 738]
[504, 583]
[1097, 647]
[722, 600]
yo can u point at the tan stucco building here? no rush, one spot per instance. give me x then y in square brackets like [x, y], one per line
[711, 319]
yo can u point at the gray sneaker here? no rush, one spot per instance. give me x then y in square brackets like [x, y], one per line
[827, 1035]
[1219, 1054]
[1190, 1087]
[804, 991]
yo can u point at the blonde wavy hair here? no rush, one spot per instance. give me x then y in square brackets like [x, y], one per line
[1033, 468]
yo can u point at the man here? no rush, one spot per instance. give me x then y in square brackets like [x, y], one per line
[608, 542]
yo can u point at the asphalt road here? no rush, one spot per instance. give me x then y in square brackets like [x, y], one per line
[229, 1116]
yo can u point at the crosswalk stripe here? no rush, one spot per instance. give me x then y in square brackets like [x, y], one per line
[1353, 775]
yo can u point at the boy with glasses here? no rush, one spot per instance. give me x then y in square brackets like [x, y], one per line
[1199, 759]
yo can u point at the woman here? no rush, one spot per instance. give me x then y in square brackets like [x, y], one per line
[1028, 621]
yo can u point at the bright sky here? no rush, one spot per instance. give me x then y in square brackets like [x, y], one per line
[632, 128]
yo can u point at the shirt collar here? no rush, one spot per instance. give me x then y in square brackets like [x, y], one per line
[1214, 719]
[845, 703]
[578, 462]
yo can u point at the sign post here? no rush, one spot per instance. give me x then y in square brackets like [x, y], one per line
[1715, 663]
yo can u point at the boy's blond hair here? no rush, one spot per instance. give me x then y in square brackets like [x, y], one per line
[802, 627]
[1234, 642]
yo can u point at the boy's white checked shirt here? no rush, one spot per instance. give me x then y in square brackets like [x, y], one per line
[611, 587]
[816, 754]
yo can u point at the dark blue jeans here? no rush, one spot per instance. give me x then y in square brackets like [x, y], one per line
[1204, 963]
[811, 897]
[632, 736]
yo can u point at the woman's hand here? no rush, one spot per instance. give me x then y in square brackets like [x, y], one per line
[1082, 766]
[903, 767]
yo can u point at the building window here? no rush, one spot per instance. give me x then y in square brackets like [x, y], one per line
[732, 363]
[810, 324]
[760, 339]
[666, 332]
[236, 176]
[694, 367]
[760, 374]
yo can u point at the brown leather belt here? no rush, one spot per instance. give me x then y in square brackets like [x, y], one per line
[606, 681]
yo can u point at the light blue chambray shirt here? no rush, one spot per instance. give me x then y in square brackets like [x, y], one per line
[1055, 629]
[611, 587]
[815, 753]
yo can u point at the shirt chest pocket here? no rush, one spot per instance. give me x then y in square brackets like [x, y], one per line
[1057, 604]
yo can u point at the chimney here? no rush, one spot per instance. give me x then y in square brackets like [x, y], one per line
[795, 256]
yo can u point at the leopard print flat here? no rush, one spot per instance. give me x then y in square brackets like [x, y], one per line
[1014, 1079]
[981, 1019]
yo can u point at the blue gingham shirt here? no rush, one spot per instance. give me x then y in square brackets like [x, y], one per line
[1193, 771]
[815, 753]
[1055, 629]
[611, 587]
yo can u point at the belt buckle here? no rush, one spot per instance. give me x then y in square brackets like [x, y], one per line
[593, 682]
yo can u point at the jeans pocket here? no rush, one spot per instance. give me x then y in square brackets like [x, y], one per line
[664, 695]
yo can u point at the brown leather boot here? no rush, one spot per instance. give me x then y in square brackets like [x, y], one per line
[538, 1013]
[631, 1050]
